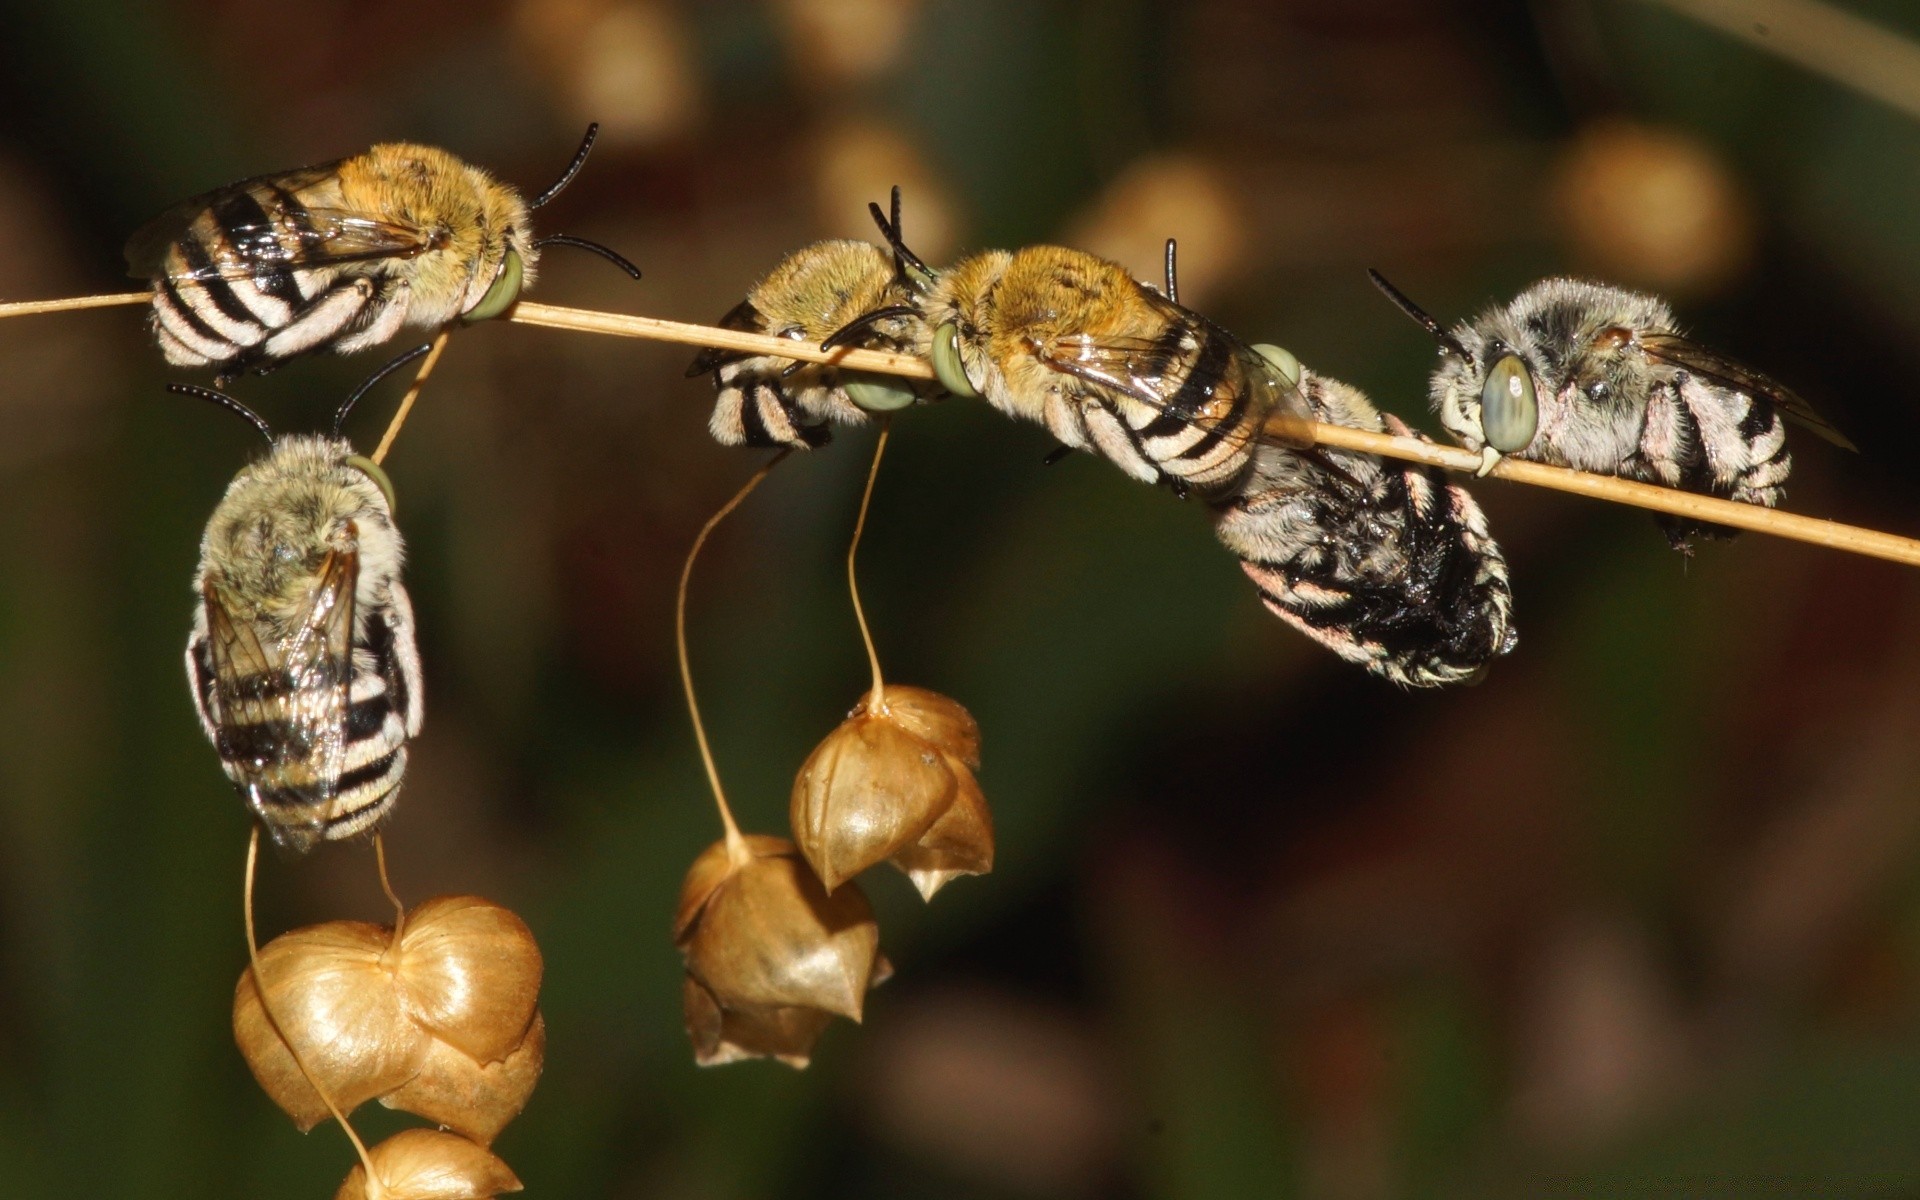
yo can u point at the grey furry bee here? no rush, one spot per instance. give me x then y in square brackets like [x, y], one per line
[302, 659]
[837, 293]
[340, 256]
[1598, 378]
[1388, 565]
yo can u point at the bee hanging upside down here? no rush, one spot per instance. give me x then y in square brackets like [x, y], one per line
[341, 256]
[836, 293]
[302, 658]
[1598, 378]
[1388, 565]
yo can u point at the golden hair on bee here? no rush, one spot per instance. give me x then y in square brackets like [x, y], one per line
[302, 659]
[340, 256]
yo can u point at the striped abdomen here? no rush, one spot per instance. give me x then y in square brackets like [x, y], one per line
[1387, 564]
[236, 288]
[311, 766]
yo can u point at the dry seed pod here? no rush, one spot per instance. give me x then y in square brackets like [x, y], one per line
[428, 1164]
[367, 1014]
[473, 1099]
[769, 953]
[472, 974]
[336, 999]
[886, 785]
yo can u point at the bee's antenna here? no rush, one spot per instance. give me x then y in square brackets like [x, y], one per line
[890, 230]
[573, 168]
[1173, 286]
[842, 335]
[346, 406]
[227, 402]
[1448, 343]
[579, 243]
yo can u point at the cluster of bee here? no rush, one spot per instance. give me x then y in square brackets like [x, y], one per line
[303, 660]
[1387, 564]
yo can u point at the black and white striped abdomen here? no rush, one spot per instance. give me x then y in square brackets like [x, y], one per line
[757, 403]
[1388, 565]
[308, 780]
[231, 292]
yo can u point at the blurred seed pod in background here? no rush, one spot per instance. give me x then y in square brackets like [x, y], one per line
[630, 65]
[834, 43]
[897, 784]
[427, 1164]
[857, 160]
[1184, 196]
[770, 956]
[1653, 207]
[373, 1017]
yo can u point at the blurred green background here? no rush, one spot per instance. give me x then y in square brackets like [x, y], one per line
[1640, 915]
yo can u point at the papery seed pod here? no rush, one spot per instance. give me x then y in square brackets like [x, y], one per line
[896, 783]
[471, 970]
[867, 790]
[428, 1164]
[335, 998]
[476, 1100]
[769, 953]
[368, 1015]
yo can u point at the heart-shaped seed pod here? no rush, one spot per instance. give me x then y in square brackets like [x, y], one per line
[473, 1099]
[895, 781]
[428, 1164]
[368, 1014]
[335, 998]
[769, 953]
[471, 974]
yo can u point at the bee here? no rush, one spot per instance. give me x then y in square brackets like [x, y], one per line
[1389, 566]
[340, 256]
[836, 293]
[302, 659]
[1598, 378]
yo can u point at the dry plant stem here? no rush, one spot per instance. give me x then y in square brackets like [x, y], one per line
[876, 701]
[1846, 49]
[28, 308]
[375, 1189]
[379, 454]
[736, 845]
[386, 886]
[1831, 534]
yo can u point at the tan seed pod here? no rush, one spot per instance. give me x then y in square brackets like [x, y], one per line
[474, 1099]
[870, 788]
[763, 937]
[939, 719]
[959, 843]
[471, 974]
[336, 1000]
[428, 1164]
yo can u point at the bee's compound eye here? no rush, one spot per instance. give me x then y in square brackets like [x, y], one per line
[947, 367]
[505, 290]
[1282, 360]
[1508, 412]
[372, 470]
[876, 393]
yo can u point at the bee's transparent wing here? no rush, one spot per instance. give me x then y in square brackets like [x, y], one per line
[283, 704]
[1709, 364]
[255, 243]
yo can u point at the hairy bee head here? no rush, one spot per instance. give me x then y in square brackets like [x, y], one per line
[483, 252]
[960, 320]
[1562, 348]
[284, 514]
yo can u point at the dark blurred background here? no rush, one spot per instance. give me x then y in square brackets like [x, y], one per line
[1639, 915]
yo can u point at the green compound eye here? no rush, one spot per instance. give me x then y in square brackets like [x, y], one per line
[876, 393]
[946, 362]
[1508, 413]
[371, 470]
[1282, 360]
[505, 290]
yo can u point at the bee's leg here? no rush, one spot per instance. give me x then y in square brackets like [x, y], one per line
[1489, 458]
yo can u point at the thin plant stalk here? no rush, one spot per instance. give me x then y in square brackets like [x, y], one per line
[399, 421]
[876, 701]
[736, 844]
